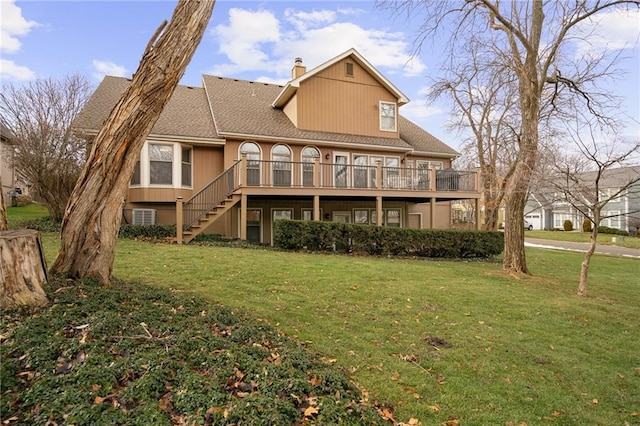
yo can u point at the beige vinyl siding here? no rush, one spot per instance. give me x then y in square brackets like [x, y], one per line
[208, 162]
[332, 102]
[291, 110]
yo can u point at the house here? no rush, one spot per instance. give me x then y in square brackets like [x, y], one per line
[232, 156]
[549, 208]
[7, 171]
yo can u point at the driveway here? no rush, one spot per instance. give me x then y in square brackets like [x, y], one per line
[582, 247]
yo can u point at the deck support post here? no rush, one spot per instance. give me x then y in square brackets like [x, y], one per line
[379, 210]
[432, 210]
[476, 206]
[316, 208]
[179, 219]
[243, 216]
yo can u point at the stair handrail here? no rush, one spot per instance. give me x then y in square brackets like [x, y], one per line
[211, 195]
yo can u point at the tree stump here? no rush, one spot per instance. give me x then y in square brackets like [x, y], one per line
[23, 269]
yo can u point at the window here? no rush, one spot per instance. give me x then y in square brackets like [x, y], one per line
[252, 151]
[309, 154]
[160, 164]
[361, 171]
[254, 225]
[186, 166]
[361, 216]
[348, 69]
[387, 116]
[281, 165]
[307, 214]
[135, 179]
[164, 164]
[393, 218]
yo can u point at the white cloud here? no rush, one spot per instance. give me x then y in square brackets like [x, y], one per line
[261, 41]
[102, 68]
[305, 20]
[243, 40]
[9, 70]
[612, 30]
[12, 26]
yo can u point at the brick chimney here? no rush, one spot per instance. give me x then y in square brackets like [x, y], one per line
[298, 69]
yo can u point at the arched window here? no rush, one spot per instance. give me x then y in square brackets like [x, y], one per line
[281, 165]
[252, 150]
[309, 154]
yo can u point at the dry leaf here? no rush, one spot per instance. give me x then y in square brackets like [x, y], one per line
[452, 422]
[310, 411]
[435, 408]
[98, 400]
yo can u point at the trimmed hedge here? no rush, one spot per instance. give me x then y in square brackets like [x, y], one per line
[611, 231]
[385, 241]
[156, 232]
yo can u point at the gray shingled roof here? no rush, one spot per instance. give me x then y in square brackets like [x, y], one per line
[244, 108]
[186, 114]
[614, 178]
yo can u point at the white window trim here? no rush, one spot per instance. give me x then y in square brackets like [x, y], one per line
[395, 116]
[176, 166]
[190, 148]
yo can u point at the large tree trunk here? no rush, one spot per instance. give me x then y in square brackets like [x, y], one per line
[92, 218]
[23, 269]
[529, 89]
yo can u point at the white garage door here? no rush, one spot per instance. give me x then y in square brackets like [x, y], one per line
[535, 220]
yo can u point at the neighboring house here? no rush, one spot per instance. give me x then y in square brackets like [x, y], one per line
[328, 145]
[548, 209]
[13, 183]
[7, 172]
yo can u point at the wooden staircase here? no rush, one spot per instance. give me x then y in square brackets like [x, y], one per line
[208, 205]
[209, 217]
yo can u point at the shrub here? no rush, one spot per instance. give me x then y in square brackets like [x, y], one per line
[611, 231]
[385, 241]
[586, 226]
[567, 225]
[43, 224]
[22, 200]
[153, 232]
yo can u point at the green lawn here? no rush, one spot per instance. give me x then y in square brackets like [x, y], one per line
[440, 340]
[16, 215]
[584, 237]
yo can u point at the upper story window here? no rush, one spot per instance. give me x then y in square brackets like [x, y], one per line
[252, 150]
[160, 164]
[387, 116]
[186, 166]
[281, 164]
[309, 154]
[164, 164]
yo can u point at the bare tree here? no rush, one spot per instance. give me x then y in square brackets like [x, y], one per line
[92, 219]
[591, 179]
[531, 38]
[483, 104]
[46, 152]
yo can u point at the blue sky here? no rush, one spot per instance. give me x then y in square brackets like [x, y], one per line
[253, 40]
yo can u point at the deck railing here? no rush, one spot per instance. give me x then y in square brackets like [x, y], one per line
[291, 174]
[209, 197]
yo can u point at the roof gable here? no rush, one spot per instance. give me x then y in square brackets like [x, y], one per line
[291, 87]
